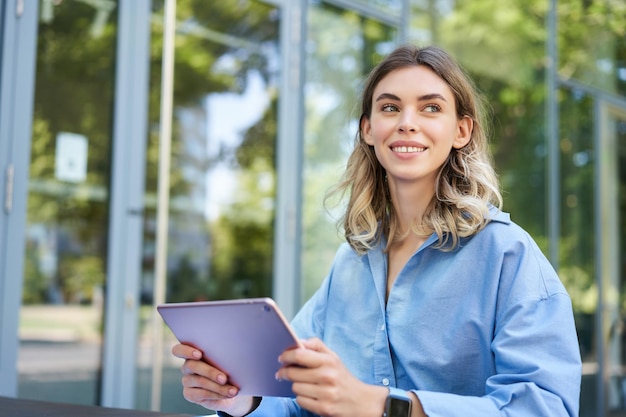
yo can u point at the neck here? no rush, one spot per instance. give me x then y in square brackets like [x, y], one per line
[410, 202]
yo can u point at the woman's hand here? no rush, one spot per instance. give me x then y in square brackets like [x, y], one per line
[323, 385]
[207, 386]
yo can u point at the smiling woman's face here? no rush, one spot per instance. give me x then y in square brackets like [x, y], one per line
[414, 125]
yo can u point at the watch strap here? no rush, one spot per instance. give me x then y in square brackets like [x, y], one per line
[398, 403]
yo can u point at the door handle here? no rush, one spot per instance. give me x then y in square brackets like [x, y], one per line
[19, 8]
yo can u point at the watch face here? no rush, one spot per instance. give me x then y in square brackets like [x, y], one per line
[398, 408]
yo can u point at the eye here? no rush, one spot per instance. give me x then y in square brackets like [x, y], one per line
[389, 108]
[432, 108]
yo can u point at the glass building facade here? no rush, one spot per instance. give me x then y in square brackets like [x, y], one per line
[181, 150]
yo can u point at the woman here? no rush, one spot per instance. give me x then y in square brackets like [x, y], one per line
[437, 300]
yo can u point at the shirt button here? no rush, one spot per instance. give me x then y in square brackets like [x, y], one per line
[382, 327]
[385, 381]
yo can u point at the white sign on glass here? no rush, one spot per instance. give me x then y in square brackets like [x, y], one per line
[71, 157]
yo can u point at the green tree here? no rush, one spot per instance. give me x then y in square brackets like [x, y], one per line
[218, 48]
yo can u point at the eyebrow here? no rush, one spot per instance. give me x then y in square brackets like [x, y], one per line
[432, 96]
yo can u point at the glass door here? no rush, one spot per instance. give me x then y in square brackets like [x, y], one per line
[67, 231]
[222, 188]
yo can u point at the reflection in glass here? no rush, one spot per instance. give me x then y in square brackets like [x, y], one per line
[577, 262]
[593, 49]
[222, 188]
[67, 222]
[342, 47]
[510, 71]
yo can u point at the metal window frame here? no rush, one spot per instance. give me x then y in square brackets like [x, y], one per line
[289, 161]
[606, 236]
[372, 12]
[17, 68]
[552, 136]
[129, 141]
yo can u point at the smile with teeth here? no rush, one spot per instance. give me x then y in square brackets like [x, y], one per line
[407, 149]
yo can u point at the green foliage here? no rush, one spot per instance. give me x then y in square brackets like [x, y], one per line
[342, 48]
[591, 42]
[74, 93]
[217, 49]
[78, 276]
[35, 283]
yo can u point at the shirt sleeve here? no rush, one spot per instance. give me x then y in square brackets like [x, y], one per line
[537, 363]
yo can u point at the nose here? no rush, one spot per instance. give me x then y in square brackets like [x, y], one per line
[407, 123]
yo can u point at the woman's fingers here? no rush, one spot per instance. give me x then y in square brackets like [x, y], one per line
[186, 352]
[314, 364]
[208, 388]
[313, 354]
[201, 380]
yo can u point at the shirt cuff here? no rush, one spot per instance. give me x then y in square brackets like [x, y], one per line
[255, 404]
[440, 404]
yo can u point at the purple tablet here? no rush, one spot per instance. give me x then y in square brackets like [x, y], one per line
[242, 337]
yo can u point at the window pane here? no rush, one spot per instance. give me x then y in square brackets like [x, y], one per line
[61, 318]
[577, 263]
[341, 48]
[592, 47]
[509, 70]
[222, 187]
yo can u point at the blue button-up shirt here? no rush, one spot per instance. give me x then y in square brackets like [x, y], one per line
[484, 330]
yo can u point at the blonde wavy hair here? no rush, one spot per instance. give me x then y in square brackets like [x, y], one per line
[466, 186]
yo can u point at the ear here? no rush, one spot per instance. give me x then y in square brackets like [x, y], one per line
[464, 133]
[366, 130]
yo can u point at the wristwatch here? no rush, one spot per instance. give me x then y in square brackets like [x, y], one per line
[398, 403]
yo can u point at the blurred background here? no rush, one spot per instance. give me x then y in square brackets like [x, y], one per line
[264, 111]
